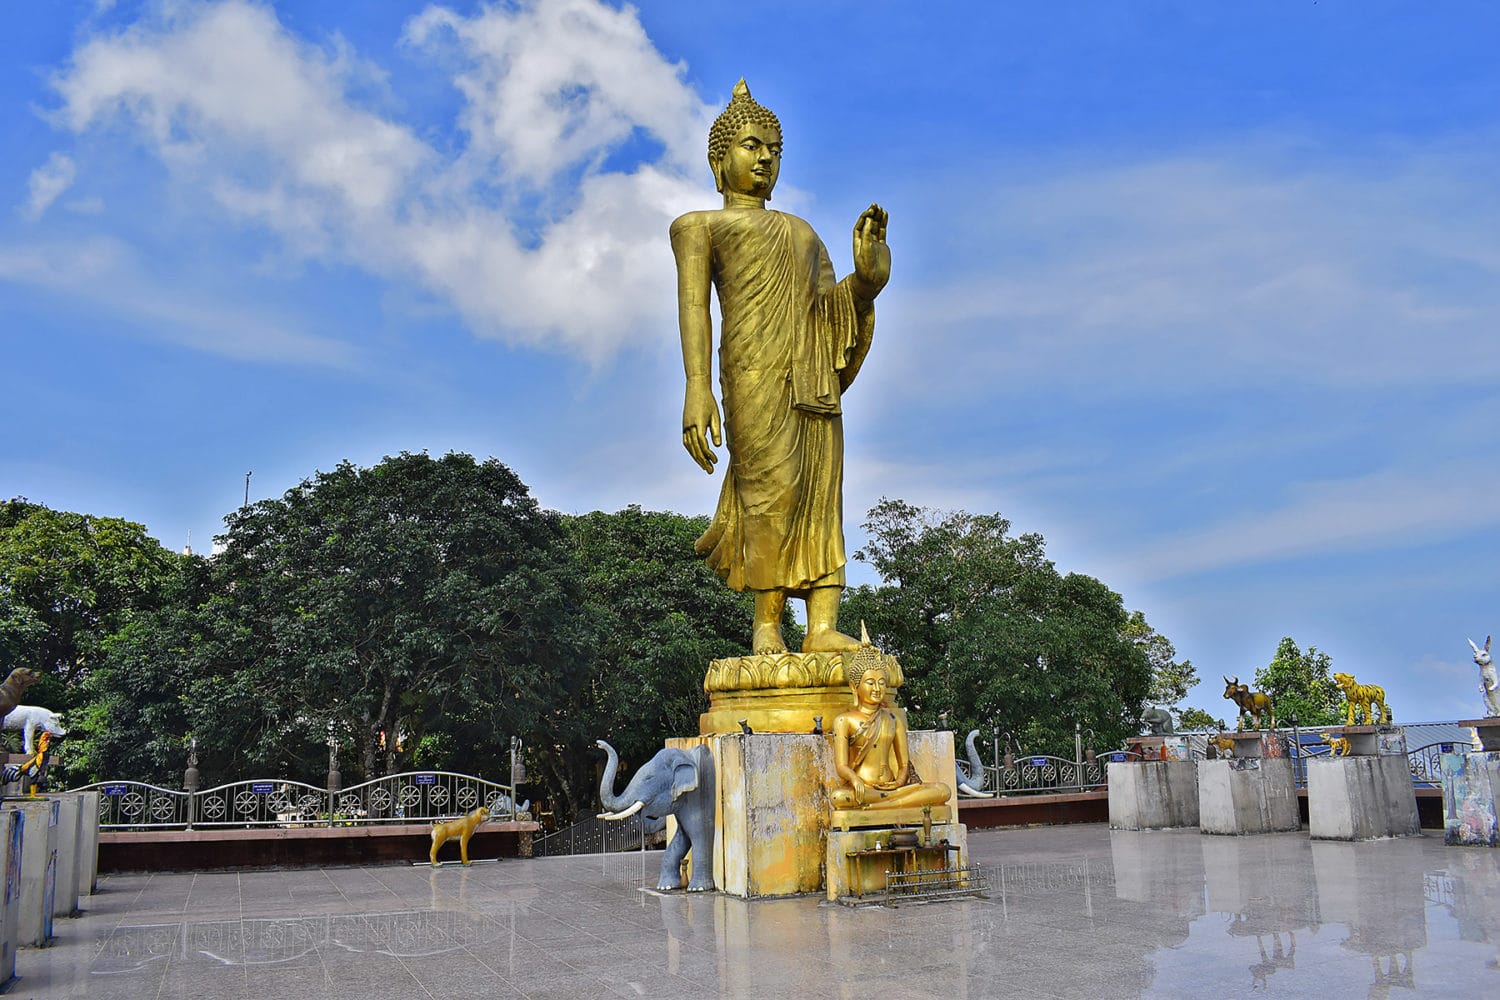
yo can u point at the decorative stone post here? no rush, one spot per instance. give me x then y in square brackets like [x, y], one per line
[335, 780]
[191, 781]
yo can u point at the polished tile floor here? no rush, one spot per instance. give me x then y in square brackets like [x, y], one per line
[1072, 912]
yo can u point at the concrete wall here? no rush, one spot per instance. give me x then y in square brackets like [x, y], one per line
[1361, 798]
[1153, 795]
[1257, 795]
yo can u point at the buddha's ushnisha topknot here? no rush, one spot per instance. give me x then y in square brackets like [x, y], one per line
[742, 109]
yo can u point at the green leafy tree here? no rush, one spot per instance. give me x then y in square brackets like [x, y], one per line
[1171, 679]
[1301, 685]
[658, 615]
[988, 632]
[68, 582]
[420, 607]
[1194, 719]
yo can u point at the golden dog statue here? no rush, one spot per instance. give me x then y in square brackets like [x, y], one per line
[462, 828]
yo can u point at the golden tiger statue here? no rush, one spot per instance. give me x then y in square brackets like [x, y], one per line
[1338, 745]
[1364, 698]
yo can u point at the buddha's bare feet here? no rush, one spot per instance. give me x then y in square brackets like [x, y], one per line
[823, 639]
[767, 639]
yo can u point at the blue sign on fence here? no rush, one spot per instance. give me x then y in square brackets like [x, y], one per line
[116, 789]
[426, 779]
[263, 787]
[1116, 757]
[1039, 762]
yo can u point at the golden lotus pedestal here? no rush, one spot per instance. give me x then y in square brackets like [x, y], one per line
[779, 692]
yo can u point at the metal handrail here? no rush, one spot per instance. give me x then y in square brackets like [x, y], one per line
[407, 797]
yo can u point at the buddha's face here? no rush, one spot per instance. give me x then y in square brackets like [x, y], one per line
[870, 690]
[753, 161]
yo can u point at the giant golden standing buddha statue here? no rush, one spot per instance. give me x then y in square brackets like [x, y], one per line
[792, 341]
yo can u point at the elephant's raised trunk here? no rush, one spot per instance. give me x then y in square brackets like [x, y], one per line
[977, 774]
[612, 802]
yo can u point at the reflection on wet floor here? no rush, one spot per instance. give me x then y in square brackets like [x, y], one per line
[1072, 912]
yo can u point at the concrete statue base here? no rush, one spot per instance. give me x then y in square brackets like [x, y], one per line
[1255, 792]
[1153, 794]
[1471, 799]
[859, 860]
[773, 811]
[1361, 798]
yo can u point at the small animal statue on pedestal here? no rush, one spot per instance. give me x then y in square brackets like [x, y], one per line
[1489, 686]
[1253, 704]
[1363, 699]
[1338, 745]
[462, 828]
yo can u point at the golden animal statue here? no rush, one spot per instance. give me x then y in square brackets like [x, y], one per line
[462, 828]
[1254, 704]
[792, 341]
[1222, 744]
[1367, 699]
[869, 746]
[1338, 745]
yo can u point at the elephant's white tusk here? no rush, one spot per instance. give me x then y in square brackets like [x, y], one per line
[626, 814]
[974, 793]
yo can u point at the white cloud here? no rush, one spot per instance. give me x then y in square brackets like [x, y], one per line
[116, 284]
[48, 182]
[238, 107]
[1406, 506]
[1248, 262]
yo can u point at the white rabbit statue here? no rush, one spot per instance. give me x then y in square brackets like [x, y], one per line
[1488, 684]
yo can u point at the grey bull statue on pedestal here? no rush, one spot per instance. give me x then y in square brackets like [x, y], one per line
[675, 782]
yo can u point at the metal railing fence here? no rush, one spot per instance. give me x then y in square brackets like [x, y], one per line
[409, 797]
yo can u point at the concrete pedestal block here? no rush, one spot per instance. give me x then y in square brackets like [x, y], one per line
[866, 874]
[773, 810]
[11, 827]
[1153, 794]
[88, 843]
[65, 898]
[1249, 795]
[1471, 799]
[38, 869]
[1361, 798]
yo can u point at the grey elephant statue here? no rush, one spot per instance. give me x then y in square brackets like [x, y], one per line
[1158, 721]
[971, 782]
[678, 783]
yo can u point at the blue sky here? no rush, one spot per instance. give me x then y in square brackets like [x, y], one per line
[1206, 293]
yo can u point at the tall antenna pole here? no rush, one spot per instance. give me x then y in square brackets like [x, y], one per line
[247, 488]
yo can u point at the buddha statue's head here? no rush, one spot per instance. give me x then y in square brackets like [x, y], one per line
[869, 682]
[744, 147]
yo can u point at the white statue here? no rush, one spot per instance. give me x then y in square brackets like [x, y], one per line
[29, 718]
[1488, 685]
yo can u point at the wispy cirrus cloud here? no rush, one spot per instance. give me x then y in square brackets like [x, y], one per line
[1399, 506]
[47, 183]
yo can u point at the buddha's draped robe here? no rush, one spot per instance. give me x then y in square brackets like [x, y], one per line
[792, 341]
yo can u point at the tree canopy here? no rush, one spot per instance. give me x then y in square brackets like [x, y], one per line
[423, 611]
[67, 583]
[989, 633]
[1301, 685]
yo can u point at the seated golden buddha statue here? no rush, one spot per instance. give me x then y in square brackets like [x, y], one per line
[869, 748]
